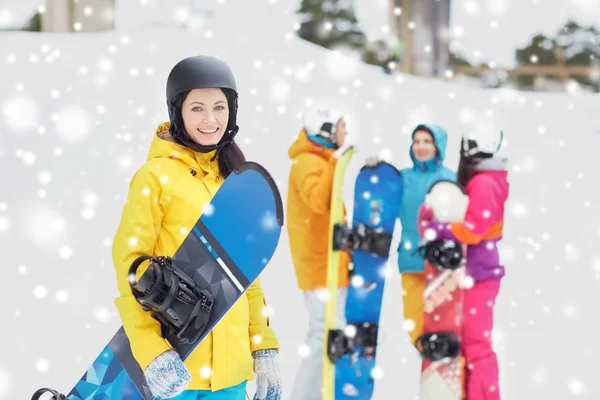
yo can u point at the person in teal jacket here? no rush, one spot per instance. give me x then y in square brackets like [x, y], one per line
[427, 152]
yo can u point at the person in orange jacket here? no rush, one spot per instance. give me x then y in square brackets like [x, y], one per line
[190, 156]
[314, 155]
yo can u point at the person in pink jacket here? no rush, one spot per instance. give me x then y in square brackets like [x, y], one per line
[484, 176]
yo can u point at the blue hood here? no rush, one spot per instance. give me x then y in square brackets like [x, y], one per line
[417, 181]
[440, 137]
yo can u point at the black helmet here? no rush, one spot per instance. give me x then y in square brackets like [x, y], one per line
[199, 72]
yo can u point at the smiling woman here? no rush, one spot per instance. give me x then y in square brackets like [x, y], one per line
[188, 155]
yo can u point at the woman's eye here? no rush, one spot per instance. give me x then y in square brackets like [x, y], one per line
[219, 108]
[196, 109]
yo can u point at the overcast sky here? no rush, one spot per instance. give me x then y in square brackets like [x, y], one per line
[516, 21]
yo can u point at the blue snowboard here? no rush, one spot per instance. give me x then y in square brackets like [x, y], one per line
[225, 252]
[377, 194]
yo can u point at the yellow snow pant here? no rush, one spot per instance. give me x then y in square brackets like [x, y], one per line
[413, 286]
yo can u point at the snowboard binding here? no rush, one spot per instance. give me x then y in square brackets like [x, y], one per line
[362, 238]
[437, 346]
[55, 394]
[172, 297]
[339, 343]
[446, 254]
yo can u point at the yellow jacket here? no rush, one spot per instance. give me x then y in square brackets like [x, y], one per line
[163, 204]
[308, 208]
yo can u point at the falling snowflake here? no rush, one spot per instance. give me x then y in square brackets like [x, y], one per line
[44, 226]
[385, 155]
[279, 91]
[572, 253]
[87, 213]
[45, 177]
[73, 124]
[205, 372]
[357, 281]
[576, 386]
[430, 234]
[377, 373]
[21, 113]
[40, 291]
[42, 365]
[304, 350]
[519, 209]
[570, 311]
[468, 282]
[65, 252]
[267, 311]
[102, 314]
[409, 325]
[62, 296]
[208, 210]
[5, 382]
[4, 224]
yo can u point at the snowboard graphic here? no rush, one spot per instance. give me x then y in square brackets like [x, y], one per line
[440, 344]
[377, 194]
[333, 261]
[226, 250]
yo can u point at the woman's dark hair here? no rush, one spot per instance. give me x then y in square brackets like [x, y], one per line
[465, 171]
[230, 155]
[467, 168]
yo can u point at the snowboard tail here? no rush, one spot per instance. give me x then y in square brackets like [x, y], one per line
[231, 243]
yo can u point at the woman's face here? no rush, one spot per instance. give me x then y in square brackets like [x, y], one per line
[423, 146]
[205, 115]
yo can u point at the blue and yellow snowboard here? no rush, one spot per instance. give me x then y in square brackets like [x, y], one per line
[230, 245]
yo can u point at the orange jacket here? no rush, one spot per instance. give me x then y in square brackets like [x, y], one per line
[308, 206]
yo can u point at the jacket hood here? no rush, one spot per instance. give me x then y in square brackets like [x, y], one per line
[440, 137]
[163, 145]
[304, 145]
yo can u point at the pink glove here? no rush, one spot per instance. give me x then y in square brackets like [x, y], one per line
[424, 218]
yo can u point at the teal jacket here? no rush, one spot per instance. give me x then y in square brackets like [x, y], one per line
[417, 181]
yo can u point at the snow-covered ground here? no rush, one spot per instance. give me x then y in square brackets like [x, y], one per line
[77, 115]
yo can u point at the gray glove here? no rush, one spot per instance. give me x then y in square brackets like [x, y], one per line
[167, 376]
[372, 161]
[268, 377]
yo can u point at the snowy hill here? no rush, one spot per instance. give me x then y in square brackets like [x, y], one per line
[78, 114]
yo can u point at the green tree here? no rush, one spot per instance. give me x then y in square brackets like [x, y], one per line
[581, 48]
[540, 51]
[330, 23]
[457, 59]
[34, 24]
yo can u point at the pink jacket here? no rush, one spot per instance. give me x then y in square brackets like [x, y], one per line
[482, 227]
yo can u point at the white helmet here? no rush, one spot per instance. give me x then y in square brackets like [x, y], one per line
[322, 122]
[483, 140]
